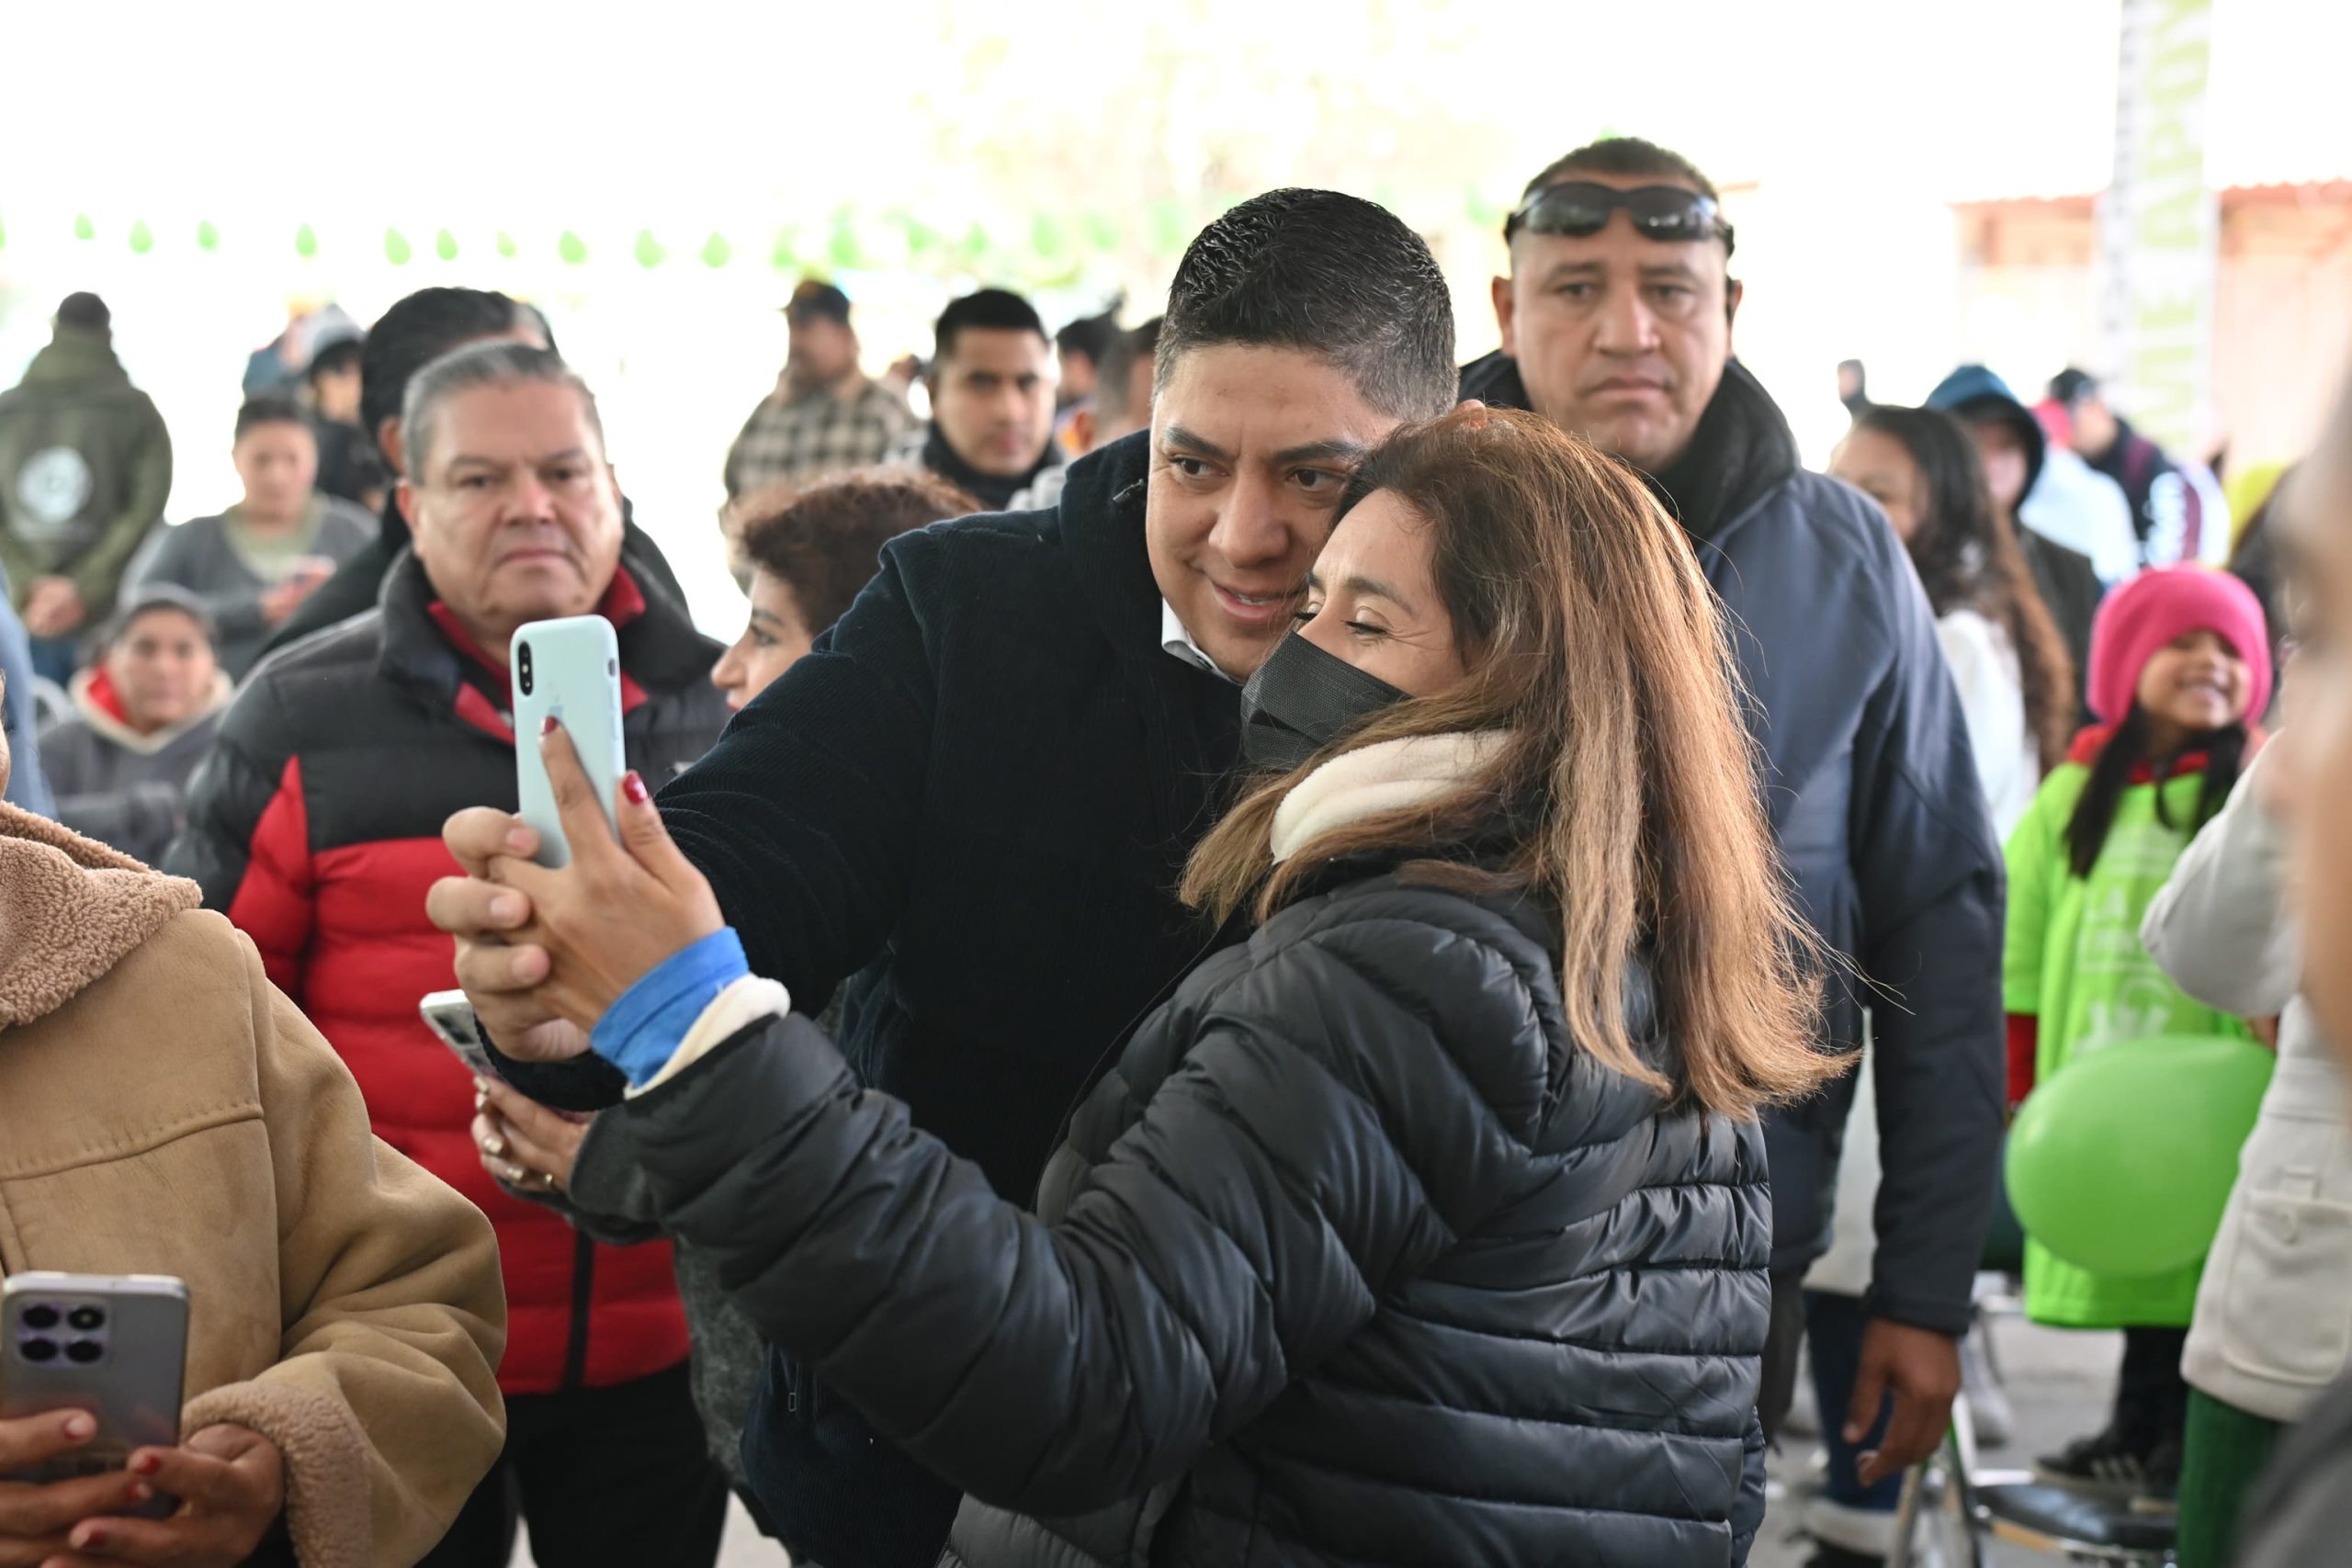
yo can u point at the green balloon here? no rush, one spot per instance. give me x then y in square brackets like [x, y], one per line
[2122, 1162]
[716, 251]
[306, 242]
[396, 247]
[4, 236]
[571, 248]
[143, 238]
[649, 252]
[506, 246]
[83, 228]
[208, 238]
[444, 245]
[784, 255]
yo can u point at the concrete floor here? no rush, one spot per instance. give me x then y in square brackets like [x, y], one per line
[2059, 1384]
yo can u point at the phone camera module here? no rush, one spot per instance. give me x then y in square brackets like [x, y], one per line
[86, 1319]
[34, 1348]
[523, 667]
[41, 1315]
[82, 1352]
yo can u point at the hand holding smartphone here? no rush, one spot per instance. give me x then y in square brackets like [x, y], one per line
[569, 671]
[111, 1344]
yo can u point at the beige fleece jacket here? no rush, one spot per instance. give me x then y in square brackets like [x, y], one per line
[164, 1110]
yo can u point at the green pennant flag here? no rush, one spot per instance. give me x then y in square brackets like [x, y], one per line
[1048, 239]
[1171, 227]
[571, 248]
[396, 247]
[444, 245]
[1102, 232]
[4, 236]
[843, 250]
[142, 239]
[208, 238]
[506, 246]
[716, 251]
[306, 242]
[83, 228]
[649, 252]
[784, 255]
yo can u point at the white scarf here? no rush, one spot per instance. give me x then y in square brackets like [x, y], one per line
[1391, 776]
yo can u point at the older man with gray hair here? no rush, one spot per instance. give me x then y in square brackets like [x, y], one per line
[315, 827]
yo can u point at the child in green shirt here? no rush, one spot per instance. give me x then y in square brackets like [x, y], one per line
[2180, 663]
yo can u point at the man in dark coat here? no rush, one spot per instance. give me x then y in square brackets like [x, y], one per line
[86, 468]
[976, 793]
[1616, 325]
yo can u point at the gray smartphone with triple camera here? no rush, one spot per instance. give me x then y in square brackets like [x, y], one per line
[568, 670]
[112, 1345]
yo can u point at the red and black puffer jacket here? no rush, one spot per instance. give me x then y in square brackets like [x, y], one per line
[315, 826]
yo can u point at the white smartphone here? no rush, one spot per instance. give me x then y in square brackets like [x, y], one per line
[451, 1017]
[113, 1344]
[569, 671]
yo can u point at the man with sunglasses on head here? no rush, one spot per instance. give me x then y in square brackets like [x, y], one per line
[1617, 326]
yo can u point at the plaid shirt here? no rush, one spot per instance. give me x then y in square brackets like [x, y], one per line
[791, 438]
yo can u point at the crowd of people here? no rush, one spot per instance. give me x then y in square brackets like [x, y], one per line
[1268, 947]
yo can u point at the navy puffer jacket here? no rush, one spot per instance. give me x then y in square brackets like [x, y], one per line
[1353, 1257]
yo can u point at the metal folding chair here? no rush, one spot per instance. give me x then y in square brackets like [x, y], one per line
[1951, 1509]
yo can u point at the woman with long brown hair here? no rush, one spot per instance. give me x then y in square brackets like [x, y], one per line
[1429, 1223]
[2017, 685]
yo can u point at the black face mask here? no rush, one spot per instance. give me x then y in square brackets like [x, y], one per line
[1301, 700]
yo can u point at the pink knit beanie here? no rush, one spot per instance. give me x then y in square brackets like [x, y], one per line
[2139, 619]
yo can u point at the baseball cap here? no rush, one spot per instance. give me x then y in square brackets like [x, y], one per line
[816, 301]
[159, 595]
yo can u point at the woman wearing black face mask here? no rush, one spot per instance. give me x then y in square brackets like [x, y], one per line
[1431, 1223]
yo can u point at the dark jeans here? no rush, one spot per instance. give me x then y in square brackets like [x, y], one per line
[2151, 1396]
[1834, 1328]
[601, 1475]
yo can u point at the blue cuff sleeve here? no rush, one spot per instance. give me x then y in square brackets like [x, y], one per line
[642, 1032]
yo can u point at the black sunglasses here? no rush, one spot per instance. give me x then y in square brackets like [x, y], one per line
[1578, 208]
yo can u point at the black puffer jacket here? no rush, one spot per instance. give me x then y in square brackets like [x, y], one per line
[1876, 807]
[1354, 1258]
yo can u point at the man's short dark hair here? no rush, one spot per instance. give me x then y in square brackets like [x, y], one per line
[1116, 368]
[499, 363]
[1090, 336]
[420, 330]
[1627, 157]
[85, 311]
[2072, 385]
[268, 408]
[337, 358]
[1333, 275]
[824, 542]
[997, 310]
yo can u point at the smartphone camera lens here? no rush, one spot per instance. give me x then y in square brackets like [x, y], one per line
[82, 1352]
[41, 1315]
[523, 667]
[86, 1319]
[34, 1348]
